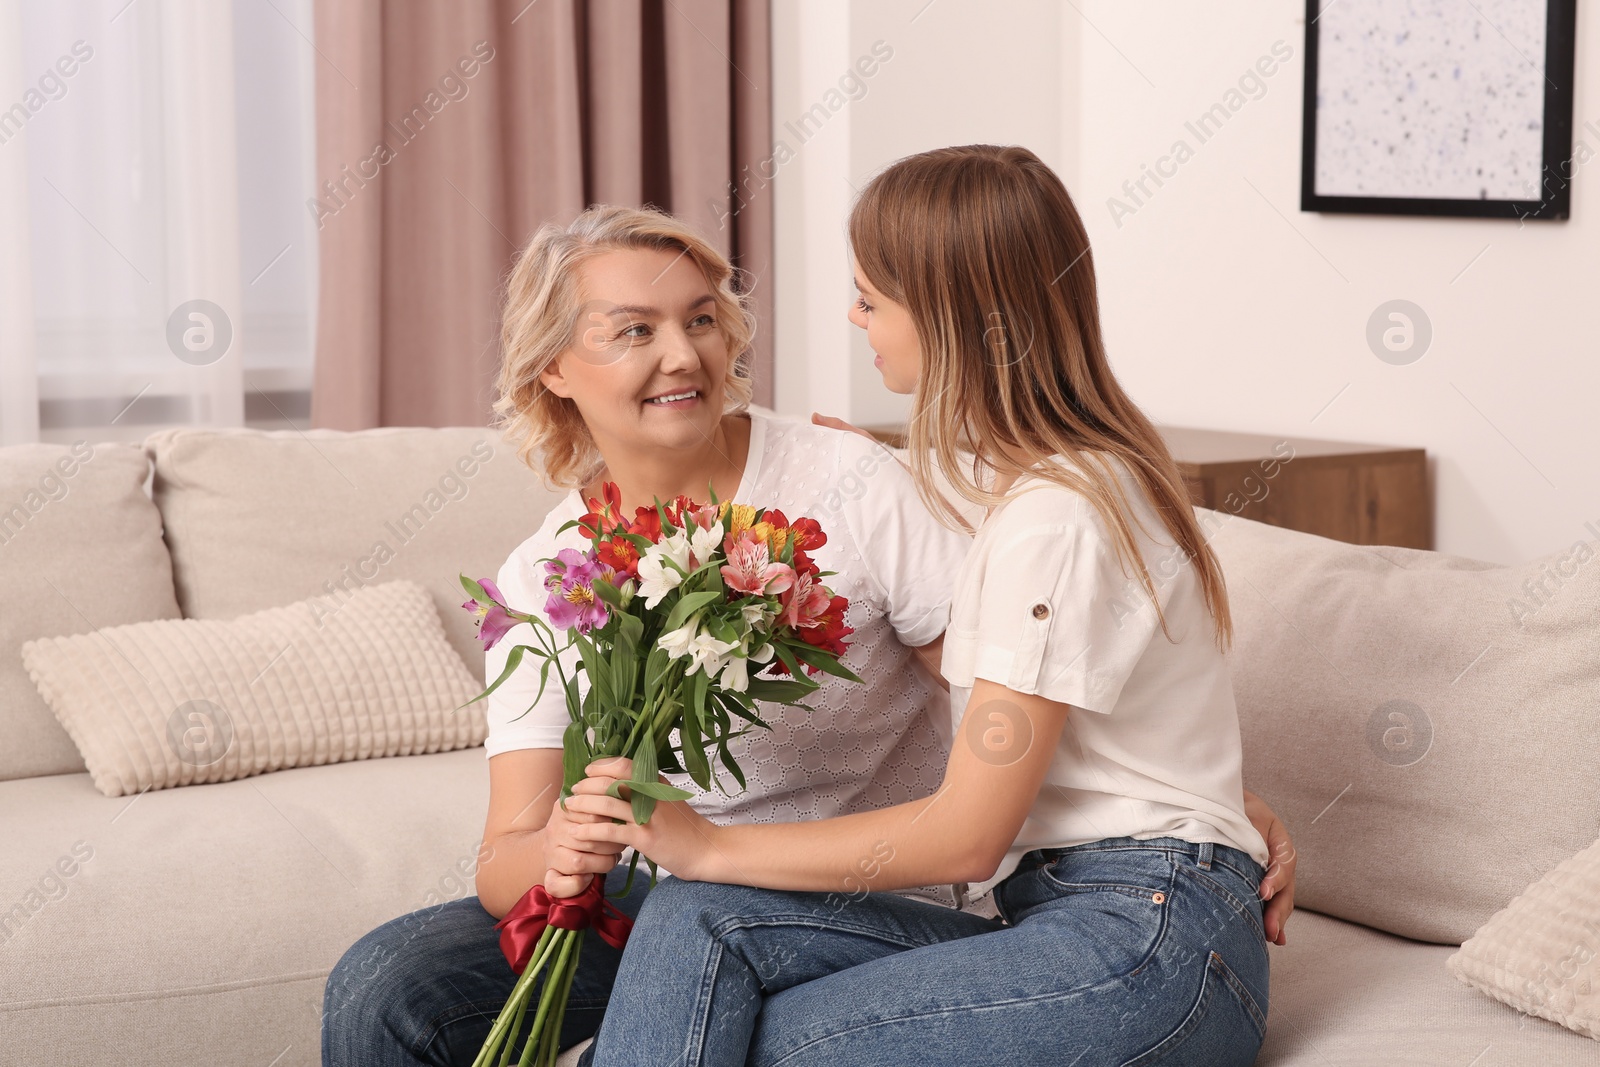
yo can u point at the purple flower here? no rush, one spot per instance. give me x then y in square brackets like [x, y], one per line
[570, 577]
[493, 621]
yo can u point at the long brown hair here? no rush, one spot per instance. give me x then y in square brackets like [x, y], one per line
[984, 248]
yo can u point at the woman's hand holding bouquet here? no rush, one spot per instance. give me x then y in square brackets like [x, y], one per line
[683, 618]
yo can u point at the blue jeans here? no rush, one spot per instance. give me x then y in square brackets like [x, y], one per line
[1117, 952]
[426, 987]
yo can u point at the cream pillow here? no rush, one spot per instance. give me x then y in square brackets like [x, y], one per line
[182, 701]
[1539, 953]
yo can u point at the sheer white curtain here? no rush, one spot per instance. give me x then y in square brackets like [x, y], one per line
[158, 259]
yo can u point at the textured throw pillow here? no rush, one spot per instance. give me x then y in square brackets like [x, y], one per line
[1427, 726]
[182, 701]
[1541, 955]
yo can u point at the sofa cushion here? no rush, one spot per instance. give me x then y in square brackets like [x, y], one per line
[198, 926]
[256, 519]
[159, 704]
[1427, 726]
[1539, 955]
[80, 548]
[1344, 995]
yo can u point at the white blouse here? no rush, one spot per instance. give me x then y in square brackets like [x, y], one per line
[1151, 747]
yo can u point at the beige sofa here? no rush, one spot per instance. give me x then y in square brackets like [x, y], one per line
[198, 924]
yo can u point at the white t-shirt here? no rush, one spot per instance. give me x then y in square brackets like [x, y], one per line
[857, 747]
[1151, 747]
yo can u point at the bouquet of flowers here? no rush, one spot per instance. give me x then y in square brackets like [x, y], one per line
[683, 618]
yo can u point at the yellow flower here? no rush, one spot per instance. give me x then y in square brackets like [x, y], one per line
[742, 517]
[774, 537]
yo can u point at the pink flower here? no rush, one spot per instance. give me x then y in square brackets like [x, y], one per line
[750, 568]
[570, 577]
[805, 604]
[493, 622]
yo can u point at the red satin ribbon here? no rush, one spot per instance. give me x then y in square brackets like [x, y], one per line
[525, 922]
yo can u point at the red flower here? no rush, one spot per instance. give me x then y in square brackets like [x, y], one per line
[621, 556]
[808, 534]
[829, 631]
[803, 564]
[603, 516]
[647, 523]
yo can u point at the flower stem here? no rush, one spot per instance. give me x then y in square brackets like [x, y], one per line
[555, 982]
[519, 996]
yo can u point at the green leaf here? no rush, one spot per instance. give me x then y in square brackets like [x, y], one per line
[610, 594]
[599, 678]
[475, 591]
[778, 691]
[575, 755]
[658, 790]
[824, 661]
[786, 657]
[644, 771]
[512, 661]
[655, 671]
[686, 606]
[722, 630]
[694, 748]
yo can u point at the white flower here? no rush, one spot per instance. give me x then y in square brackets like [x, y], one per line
[709, 653]
[764, 653]
[705, 543]
[736, 675]
[678, 641]
[675, 548]
[757, 614]
[656, 578]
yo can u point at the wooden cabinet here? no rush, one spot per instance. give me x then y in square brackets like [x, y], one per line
[1360, 493]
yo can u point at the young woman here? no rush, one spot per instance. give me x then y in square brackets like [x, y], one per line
[622, 340]
[1094, 785]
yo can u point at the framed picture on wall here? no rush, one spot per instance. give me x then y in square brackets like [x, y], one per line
[1438, 107]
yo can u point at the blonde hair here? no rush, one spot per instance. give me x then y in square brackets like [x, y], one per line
[983, 246]
[539, 321]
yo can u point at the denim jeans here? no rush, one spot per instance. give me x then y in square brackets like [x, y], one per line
[1117, 952]
[426, 987]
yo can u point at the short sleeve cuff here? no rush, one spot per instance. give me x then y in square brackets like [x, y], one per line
[927, 627]
[539, 737]
[1072, 684]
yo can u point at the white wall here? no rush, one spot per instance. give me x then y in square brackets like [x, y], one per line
[957, 72]
[1225, 306]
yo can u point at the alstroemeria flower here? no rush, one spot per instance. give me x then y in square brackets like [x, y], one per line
[656, 577]
[647, 523]
[805, 603]
[739, 517]
[676, 642]
[570, 578]
[756, 614]
[603, 515]
[704, 542]
[493, 622]
[708, 654]
[830, 631]
[750, 568]
[808, 534]
[621, 555]
[736, 672]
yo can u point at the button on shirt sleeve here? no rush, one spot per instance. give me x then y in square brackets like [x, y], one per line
[909, 554]
[1059, 618]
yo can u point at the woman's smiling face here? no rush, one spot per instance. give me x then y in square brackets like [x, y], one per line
[890, 332]
[648, 361]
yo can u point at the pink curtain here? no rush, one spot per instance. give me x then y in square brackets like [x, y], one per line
[448, 130]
